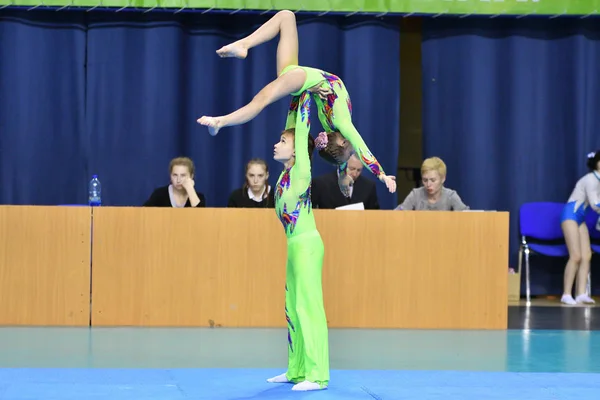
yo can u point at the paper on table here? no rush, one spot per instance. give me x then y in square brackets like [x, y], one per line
[355, 206]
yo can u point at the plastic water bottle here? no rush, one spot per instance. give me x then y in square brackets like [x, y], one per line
[95, 192]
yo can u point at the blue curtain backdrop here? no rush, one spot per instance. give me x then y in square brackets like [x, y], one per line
[512, 108]
[118, 95]
[42, 109]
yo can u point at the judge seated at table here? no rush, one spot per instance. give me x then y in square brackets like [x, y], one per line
[181, 191]
[256, 191]
[326, 192]
[433, 196]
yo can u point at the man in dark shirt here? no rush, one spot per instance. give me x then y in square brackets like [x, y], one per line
[326, 192]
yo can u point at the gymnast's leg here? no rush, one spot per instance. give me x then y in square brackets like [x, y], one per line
[284, 85]
[295, 370]
[582, 296]
[570, 229]
[282, 23]
[308, 255]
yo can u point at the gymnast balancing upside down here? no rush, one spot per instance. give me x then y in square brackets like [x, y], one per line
[308, 343]
[341, 138]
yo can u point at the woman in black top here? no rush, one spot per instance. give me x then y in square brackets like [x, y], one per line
[256, 192]
[181, 191]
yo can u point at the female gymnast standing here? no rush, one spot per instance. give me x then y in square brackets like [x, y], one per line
[586, 192]
[341, 138]
[308, 345]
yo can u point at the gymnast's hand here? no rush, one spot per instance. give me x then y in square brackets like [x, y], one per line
[321, 91]
[213, 123]
[390, 182]
[344, 182]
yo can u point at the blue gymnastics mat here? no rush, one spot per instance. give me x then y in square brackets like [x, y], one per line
[246, 384]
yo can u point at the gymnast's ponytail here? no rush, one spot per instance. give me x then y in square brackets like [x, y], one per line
[592, 160]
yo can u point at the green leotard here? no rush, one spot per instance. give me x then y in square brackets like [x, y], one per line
[308, 348]
[335, 114]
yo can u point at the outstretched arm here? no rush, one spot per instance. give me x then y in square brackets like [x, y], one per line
[365, 156]
[363, 153]
[301, 175]
[287, 83]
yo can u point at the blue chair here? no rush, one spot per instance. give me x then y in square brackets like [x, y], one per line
[539, 226]
[592, 220]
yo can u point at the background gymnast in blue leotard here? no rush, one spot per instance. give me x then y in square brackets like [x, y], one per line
[586, 193]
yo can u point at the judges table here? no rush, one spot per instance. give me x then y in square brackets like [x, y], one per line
[226, 267]
[45, 265]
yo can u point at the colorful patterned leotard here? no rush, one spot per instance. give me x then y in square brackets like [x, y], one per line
[308, 349]
[292, 193]
[335, 114]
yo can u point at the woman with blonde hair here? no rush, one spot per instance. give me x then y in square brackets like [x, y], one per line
[433, 196]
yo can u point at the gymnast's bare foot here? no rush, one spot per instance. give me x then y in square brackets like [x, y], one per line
[213, 124]
[235, 49]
